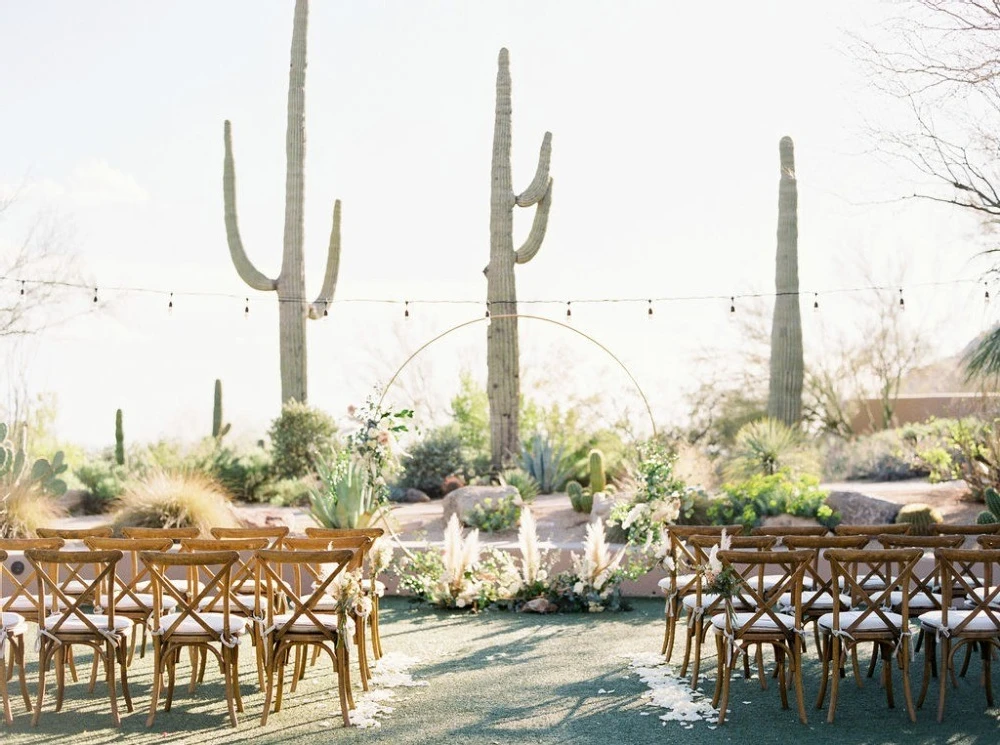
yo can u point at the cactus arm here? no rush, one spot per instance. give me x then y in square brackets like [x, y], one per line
[534, 240]
[318, 308]
[539, 185]
[244, 267]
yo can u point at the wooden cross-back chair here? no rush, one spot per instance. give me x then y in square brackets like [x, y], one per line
[191, 627]
[73, 583]
[873, 530]
[969, 530]
[174, 534]
[977, 624]
[989, 541]
[702, 603]
[762, 622]
[680, 581]
[870, 620]
[68, 625]
[241, 588]
[785, 531]
[274, 534]
[308, 622]
[13, 627]
[130, 602]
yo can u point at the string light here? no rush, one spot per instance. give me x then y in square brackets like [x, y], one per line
[987, 286]
[22, 289]
[406, 309]
[170, 305]
[732, 304]
[902, 303]
[569, 310]
[246, 308]
[649, 313]
[487, 310]
[95, 294]
[815, 301]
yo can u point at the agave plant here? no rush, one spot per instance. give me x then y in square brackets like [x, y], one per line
[546, 463]
[345, 497]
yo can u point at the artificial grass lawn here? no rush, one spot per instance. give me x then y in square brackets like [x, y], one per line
[508, 678]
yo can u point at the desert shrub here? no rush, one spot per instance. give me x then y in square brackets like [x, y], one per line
[243, 474]
[451, 483]
[750, 501]
[521, 480]
[975, 456]
[657, 496]
[298, 436]
[546, 462]
[433, 459]
[175, 500]
[470, 411]
[767, 446]
[912, 451]
[287, 492]
[492, 515]
[104, 482]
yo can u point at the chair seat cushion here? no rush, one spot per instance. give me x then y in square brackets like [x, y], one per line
[871, 622]
[74, 587]
[75, 625]
[919, 601]
[214, 604]
[818, 600]
[215, 621]
[24, 603]
[980, 621]
[764, 623]
[773, 580]
[145, 602]
[13, 623]
[872, 583]
[304, 622]
[978, 593]
[181, 585]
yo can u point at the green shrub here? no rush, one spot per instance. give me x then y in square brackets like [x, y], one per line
[104, 483]
[299, 436]
[521, 480]
[439, 455]
[244, 475]
[286, 492]
[750, 501]
[546, 463]
[767, 446]
[493, 516]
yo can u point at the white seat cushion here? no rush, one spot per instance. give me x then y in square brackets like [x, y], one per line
[764, 623]
[707, 598]
[818, 600]
[978, 593]
[215, 621]
[980, 621]
[872, 583]
[74, 587]
[74, 624]
[918, 601]
[771, 581]
[25, 603]
[13, 623]
[871, 622]
[304, 623]
[128, 603]
[181, 585]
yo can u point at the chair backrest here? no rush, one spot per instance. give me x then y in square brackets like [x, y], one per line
[97, 591]
[215, 566]
[783, 531]
[873, 530]
[945, 529]
[22, 592]
[683, 555]
[243, 578]
[984, 541]
[274, 534]
[76, 534]
[817, 599]
[131, 547]
[747, 565]
[852, 568]
[702, 546]
[373, 533]
[980, 601]
[174, 534]
[359, 545]
[323, 566]
[926, 584]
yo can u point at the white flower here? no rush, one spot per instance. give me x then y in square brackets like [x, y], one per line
[633, 514]
[714, 564]
[595, 608]
[578, 588]
[727, 541]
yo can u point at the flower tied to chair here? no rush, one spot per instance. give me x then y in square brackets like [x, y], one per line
[3, 640]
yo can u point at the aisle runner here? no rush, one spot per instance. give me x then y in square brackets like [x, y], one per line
[392, 671]
[669, 691]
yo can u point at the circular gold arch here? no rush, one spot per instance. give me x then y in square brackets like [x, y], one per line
[577, 331]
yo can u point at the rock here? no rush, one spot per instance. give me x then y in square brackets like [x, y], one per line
[412, 496]
[539, 605]
[462, 501]
[856, 508]
[788, 521]
[267, 519]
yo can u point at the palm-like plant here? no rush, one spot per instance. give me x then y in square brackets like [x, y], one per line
[983, 360]
[766, 446]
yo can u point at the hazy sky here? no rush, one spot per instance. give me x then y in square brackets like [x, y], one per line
[665, 118]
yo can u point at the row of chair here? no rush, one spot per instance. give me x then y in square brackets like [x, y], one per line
[195, 596]
[850, 595]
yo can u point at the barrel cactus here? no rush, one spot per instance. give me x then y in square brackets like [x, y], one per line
[992, 513]
[920, 517]
[581, 499]
[598, 480]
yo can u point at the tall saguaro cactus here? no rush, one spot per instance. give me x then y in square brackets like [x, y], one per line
[290, 282]
[503, 379]
[785, 396]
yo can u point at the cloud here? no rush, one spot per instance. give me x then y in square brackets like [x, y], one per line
[93, 182]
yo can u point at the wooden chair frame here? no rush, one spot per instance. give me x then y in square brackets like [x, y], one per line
[869, 603]
[281, 635]
[737, 638]
[789, 531]
[981, 602]
[873, 531]
[967, 530]
[174, 534]
[169, 642]
[108, 643]
[275, 535]
[11, 633]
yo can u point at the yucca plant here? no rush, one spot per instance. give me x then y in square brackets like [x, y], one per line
[345, 498]
[521, 480]
[165, 499]
[766, 446]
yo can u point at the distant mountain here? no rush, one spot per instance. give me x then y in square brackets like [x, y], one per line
[946, 375]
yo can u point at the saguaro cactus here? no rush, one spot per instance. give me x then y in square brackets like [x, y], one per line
[503, 379]
[784, 401]
[219, 430]
[119, 439]
[290, 283]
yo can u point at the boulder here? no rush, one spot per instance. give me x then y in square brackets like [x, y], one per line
[412, 496]
[462, 501]
[539, 605]
[788, 521]
[856, 508]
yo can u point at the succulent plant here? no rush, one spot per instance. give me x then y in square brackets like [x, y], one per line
[219, 430]
[581, 499]
[920, 517]
[598, 480]
[992, 513]
[119, 439]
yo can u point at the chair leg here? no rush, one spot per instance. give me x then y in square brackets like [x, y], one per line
[94, 666]
[60, 676]
[157, 679]
[234, 661]
[987, 672]
[282, 663]
[271, 656]
[21, 673]
[886, 655]
[44, 654]
[796, 672]
[725, 674]
[227, 670]
[965, 662]
[946, 666]
[343, 686]
[7, 716]
[171, 663]
[835, 685]
[376, 635]
[904, 661]
[109, 666]
[123, 671]
[824, 653]
[929, 653]
[359, 640]
[259, 642]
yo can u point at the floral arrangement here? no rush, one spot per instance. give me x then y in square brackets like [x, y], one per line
[717, 579]
[659, 498]
[448, 578]
[349, 598]
[380, 557]
[374, 441]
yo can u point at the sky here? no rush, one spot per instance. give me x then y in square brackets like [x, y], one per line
[665, 117]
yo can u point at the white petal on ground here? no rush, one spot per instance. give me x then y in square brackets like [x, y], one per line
[669, 691]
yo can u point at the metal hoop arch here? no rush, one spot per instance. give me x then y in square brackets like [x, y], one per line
[592, 340]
